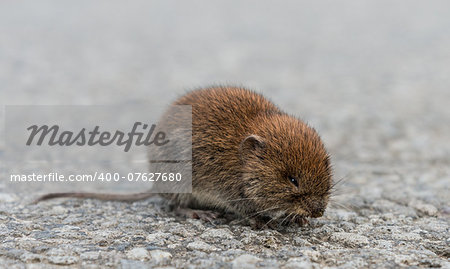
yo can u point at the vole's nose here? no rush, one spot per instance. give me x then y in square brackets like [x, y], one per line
[317, 212]
[316, 209]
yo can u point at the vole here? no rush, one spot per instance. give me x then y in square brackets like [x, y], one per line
[248, 158]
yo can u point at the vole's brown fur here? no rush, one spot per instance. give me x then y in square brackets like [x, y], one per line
[245, 151]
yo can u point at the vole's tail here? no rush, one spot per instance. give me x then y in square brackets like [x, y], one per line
[98, 196]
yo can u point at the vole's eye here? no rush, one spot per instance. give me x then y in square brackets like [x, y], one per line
[293, 181]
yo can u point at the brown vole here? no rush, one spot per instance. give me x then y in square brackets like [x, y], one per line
[249, 158]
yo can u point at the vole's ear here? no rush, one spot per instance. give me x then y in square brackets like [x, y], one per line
[252, 145]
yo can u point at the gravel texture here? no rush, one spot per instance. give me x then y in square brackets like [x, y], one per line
[372, 77]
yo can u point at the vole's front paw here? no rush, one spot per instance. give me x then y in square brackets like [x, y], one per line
[301, 221]
[205, 215]
[260, 223]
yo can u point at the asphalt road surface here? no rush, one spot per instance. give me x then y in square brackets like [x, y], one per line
[372, 77]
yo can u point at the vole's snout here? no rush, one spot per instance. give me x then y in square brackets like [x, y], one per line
[317, 212]
[316, 208]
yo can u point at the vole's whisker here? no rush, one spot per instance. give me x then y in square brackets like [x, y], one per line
[271, 219]
[293, 218]
[248, 198]
[257, 214]
[281, 223]
[265, 210]
[340, 205]
[338, 182]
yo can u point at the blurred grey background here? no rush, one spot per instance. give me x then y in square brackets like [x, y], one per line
[371, 76]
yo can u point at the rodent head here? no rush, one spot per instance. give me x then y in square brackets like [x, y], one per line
[286, 169]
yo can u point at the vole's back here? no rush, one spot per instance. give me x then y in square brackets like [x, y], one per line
[221, 119]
